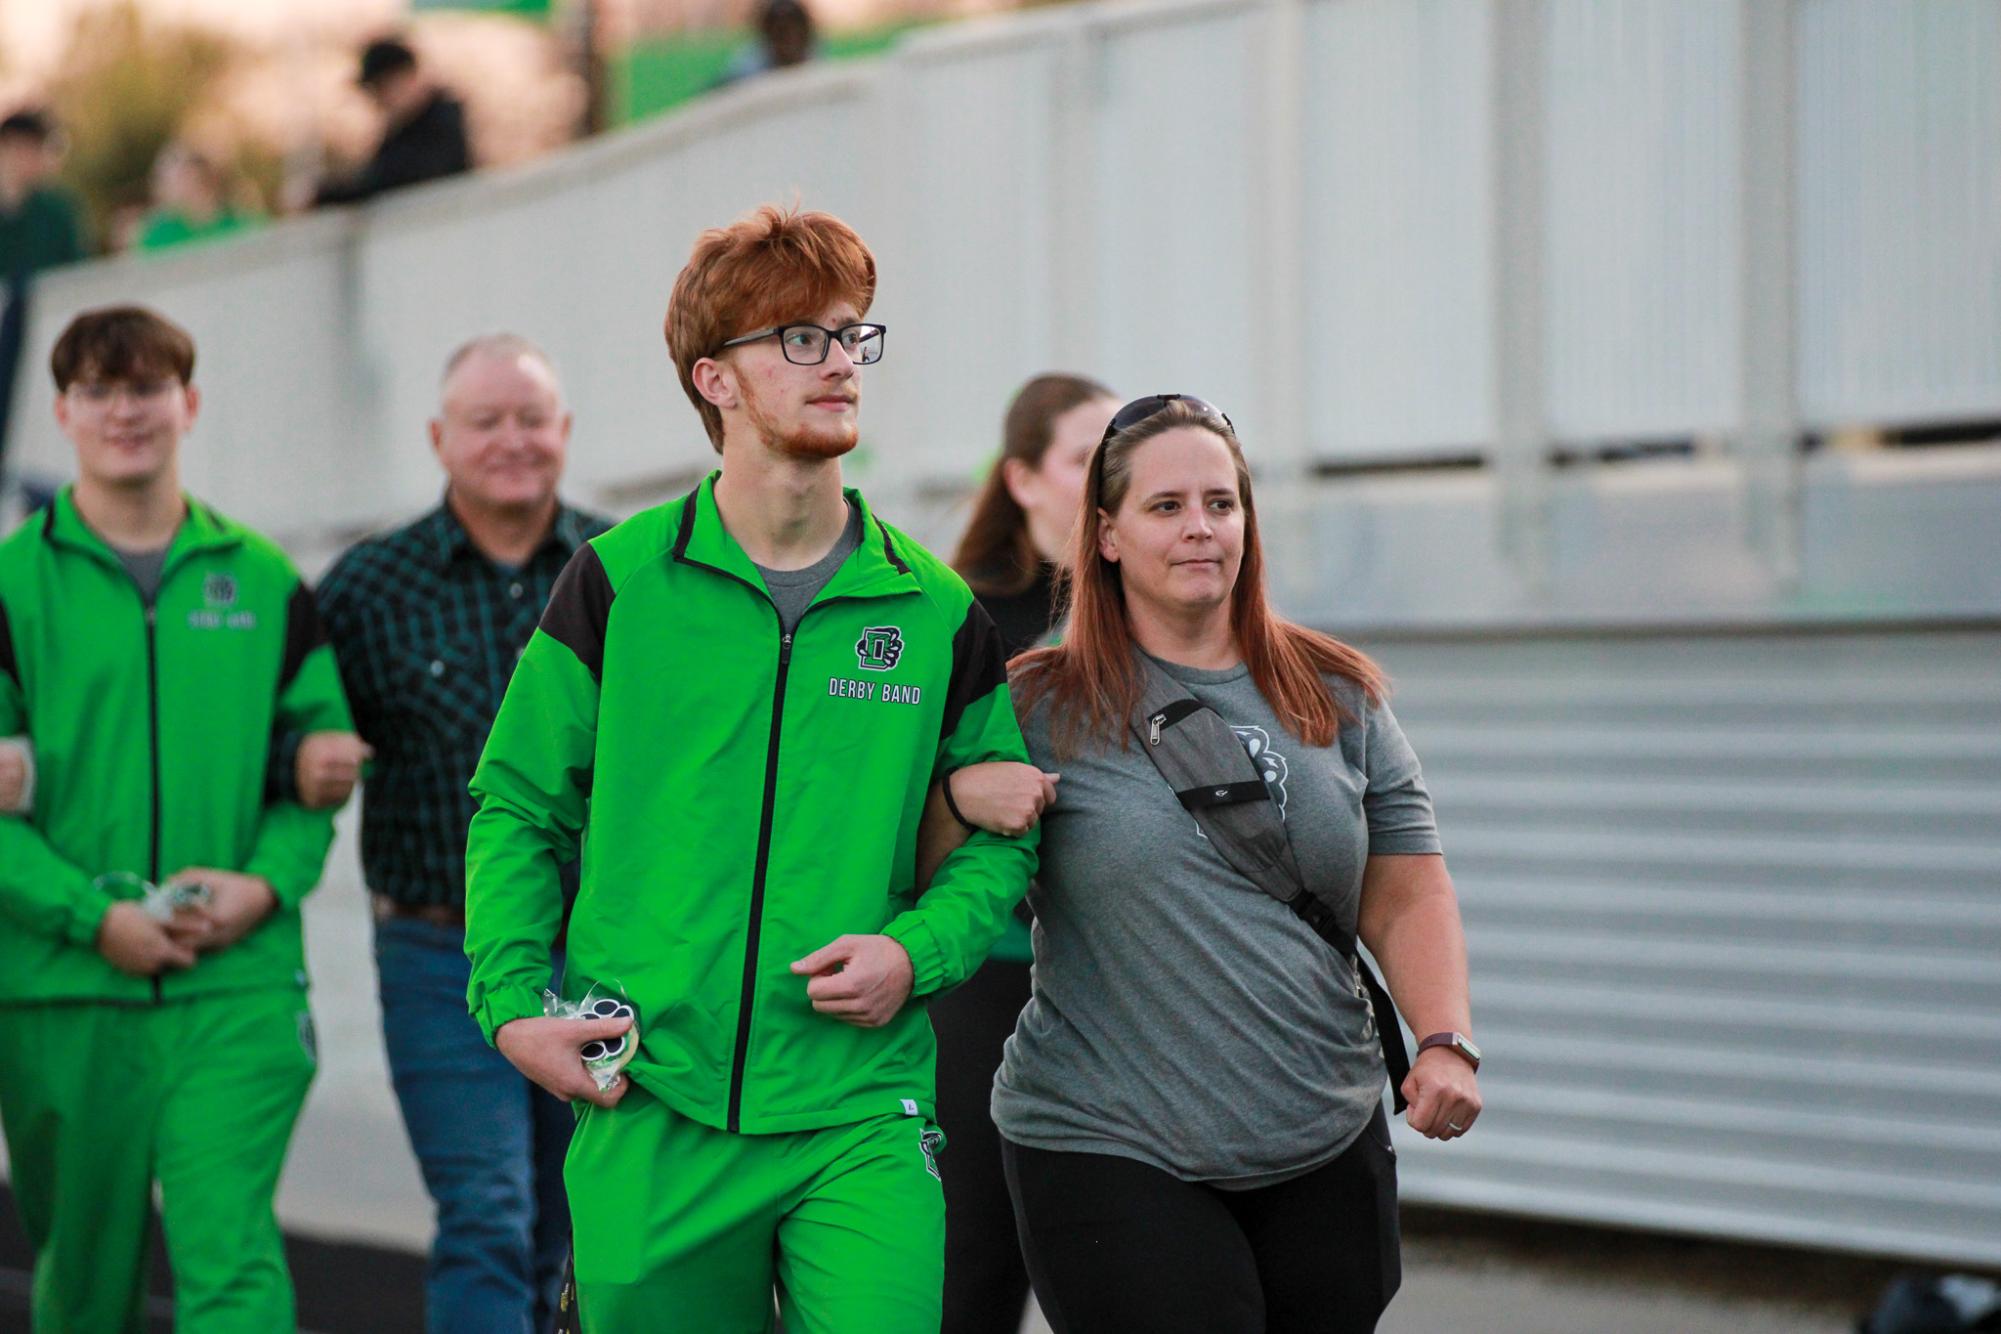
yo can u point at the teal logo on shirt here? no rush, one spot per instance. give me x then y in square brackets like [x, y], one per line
[1271, 765]
[880, 647]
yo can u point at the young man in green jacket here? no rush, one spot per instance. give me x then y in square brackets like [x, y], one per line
[736, 705]
[150, 647]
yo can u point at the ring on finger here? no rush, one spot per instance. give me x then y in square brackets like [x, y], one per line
[1454, 1125]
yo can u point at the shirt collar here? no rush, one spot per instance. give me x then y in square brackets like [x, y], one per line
[569, 531]
[874, 569]
[202, 530]
[447, 537]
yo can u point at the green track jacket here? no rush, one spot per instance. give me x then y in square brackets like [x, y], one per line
[150, 733]
[741, 797]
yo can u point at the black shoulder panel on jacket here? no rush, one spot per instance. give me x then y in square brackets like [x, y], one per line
[687, 527]
[9, 664]
[579, 606]
[889, 552]
[977, 665]
[304, 632]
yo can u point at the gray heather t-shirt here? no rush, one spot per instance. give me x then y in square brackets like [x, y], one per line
[792, 591]
[1180, 1015]
[145, 567]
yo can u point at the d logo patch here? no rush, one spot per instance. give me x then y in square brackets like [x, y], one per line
[880, 647]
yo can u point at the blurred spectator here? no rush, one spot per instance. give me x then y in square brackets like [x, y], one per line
[426, 133]
[461, 589]
[190, 202]
[785, 36]
[40, 225]
[122, 227]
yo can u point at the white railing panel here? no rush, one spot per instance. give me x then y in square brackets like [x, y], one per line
[970, 267]
[1398, 227]
[1174, 214]
[1642, 244]
[1900, 210]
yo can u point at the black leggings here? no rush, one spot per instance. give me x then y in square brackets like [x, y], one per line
[1114, 1245]
[986, 1286]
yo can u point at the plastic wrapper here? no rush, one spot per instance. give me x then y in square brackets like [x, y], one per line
[603, 1057]
[160, 902]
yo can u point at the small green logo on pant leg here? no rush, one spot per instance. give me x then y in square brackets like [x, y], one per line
[929, 1141]
[308, 1037]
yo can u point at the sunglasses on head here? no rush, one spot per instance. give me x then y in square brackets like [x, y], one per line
[1137, 411]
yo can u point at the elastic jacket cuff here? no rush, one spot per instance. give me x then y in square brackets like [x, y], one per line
[502, 1009]
[289, 890]
[88, 917]
[927, 961]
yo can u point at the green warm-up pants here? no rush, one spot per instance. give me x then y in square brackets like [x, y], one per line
[685, 1229]
[101, 1100]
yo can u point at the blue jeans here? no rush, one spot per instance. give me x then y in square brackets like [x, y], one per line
[490, 1143]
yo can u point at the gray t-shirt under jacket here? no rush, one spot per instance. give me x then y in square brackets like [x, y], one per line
[792, 591]
[1181, 1016]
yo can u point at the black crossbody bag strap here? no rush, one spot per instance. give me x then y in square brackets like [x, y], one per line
[1218, 783]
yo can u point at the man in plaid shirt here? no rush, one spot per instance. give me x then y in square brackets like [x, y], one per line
[427, 622]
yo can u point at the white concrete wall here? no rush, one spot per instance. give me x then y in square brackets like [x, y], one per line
[1288, 206]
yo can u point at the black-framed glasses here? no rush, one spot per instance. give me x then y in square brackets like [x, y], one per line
[807, 344]
[1137, 411]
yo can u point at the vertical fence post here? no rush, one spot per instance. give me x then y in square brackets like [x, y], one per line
[893, 202]
[1073, 311]
[1285, 467]
[1280, 172]
[1767, 446]
[1520, 331]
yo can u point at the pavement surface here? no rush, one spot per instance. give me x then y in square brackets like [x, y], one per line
[359, 1220]
[1497, 1275]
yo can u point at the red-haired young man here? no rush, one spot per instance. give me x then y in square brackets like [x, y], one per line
[736, 705]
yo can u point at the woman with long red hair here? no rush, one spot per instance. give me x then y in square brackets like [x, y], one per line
[1191, 1103]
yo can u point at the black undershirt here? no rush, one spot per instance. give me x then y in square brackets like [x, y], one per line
[1022, 618]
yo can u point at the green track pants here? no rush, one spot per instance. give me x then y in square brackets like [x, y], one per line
[101, 1100]
[685, 1229]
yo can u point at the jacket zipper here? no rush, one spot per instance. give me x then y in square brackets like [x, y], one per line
[755, 926]
[153, 742]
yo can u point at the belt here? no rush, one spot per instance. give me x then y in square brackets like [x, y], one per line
[437, 914]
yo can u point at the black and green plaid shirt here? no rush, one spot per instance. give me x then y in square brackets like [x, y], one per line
[426, 629]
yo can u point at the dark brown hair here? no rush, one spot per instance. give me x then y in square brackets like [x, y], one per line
[1092, 678]
[768, 267]
[995, 555]
[121, 343]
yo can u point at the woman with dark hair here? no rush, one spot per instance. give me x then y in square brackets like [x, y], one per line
[1017, 538]
[1191, 1103]
[1020, 530]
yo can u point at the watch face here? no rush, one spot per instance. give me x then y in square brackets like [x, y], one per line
[1466, 1046]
